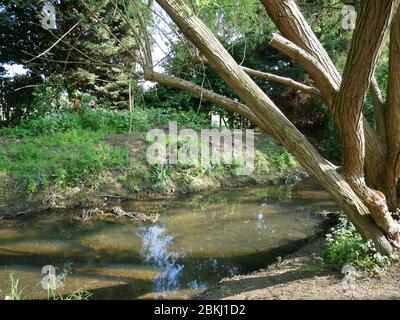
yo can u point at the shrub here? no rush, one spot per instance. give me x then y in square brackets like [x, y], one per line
[100, 119]
[345, 245]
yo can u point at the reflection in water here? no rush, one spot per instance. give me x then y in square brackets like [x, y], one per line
[198, 241]
[156, 251]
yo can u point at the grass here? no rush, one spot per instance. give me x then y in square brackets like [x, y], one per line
[78, 295]
[15, 292]
[66, 149]
[52, 294]
[63, 158]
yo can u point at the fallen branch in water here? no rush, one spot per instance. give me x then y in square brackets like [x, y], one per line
[118, 212]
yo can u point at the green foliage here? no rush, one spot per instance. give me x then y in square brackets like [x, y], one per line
[278, 157]
[331, 144]
[61, 158]
[242, 16]
[345, 245]
[16, 293]
[160, 176]
[47, 124]
[185, 118]
[16, 95]
[77, 295]
[104, 120]
[282, 160]
[66, 148]
[22, 37]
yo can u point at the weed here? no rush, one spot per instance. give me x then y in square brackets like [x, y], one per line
[345, 245]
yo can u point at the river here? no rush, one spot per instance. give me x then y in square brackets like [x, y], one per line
[197, 240]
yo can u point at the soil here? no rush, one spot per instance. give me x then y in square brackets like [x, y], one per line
[305, 276]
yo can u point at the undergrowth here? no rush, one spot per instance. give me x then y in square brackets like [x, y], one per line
[346, 245]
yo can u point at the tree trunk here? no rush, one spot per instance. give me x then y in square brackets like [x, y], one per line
[293, 26]
[393, 117]
[274, 120]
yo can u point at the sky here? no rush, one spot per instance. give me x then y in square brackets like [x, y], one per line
[14, 69]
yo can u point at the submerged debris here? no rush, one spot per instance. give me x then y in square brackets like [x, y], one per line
[118, 212]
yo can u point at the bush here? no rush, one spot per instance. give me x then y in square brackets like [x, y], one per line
[188, 119]
[100, 119]
[47, 124]
[345, 245]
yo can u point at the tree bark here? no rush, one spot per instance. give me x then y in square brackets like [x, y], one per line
[393, 116]
[293, 26]
[274, 120]
[373, 25]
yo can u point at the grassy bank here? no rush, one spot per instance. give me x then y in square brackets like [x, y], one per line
[71, 159]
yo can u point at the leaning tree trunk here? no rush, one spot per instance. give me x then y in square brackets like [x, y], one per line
[275, 122]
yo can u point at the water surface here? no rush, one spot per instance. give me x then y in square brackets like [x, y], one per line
[197, 241]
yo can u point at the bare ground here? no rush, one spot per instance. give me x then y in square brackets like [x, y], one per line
[304, 276]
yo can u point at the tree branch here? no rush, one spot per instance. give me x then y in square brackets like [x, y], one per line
[208, 95]
[373, 25]
[329, 86]
[283, 80]
[293, 26]
[272, 77]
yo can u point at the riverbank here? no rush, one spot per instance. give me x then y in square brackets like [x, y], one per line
[81, 167]
[305, 275]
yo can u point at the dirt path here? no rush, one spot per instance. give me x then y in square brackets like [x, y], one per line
[304, 275]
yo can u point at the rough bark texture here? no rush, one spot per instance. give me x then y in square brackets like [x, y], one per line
[368, 40]
[372, 28]
[379, 109]
[274, 120]
[393, 117]
[293, 26]
[285, 81]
